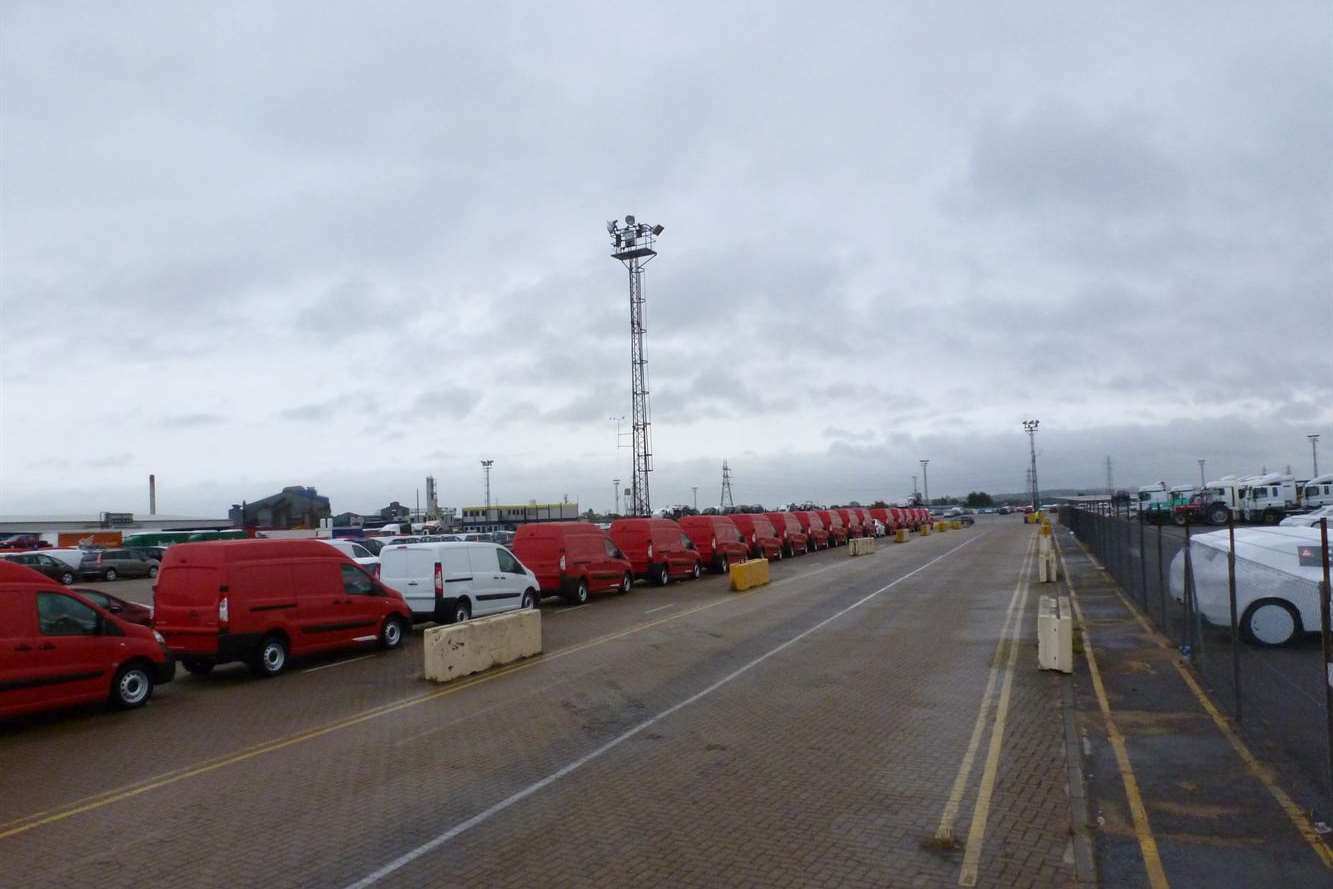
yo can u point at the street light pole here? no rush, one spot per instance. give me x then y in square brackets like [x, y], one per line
[1314, 453]
[925, 481]
[1202, 481]
[1030, 426]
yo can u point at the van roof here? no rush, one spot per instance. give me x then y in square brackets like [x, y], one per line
[542, 528]
[219, 552]
[14, 573]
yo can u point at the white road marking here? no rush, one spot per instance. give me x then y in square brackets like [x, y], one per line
[559, 611]
[481, 817]
[350, 660]
[661, 607]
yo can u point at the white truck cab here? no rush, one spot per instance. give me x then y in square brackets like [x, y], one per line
[1318, 492]
[1268, 498]
[1153, 502]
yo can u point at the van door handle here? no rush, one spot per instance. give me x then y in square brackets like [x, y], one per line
[411, 583]
[23, 648]
[47, 646]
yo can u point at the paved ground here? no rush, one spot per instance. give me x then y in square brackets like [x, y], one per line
[1207, 814]
[859, 722]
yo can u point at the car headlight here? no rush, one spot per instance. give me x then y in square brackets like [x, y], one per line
[161, 640]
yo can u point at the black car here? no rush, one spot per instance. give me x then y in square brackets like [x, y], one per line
[48, 565]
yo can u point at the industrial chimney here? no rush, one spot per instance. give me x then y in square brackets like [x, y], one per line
[152, 495]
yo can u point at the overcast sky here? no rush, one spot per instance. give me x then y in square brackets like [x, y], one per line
[347, 245]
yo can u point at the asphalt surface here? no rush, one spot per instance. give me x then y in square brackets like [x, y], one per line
[809, 732]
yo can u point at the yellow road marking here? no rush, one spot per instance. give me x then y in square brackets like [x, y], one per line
[1258, 769]
[1152, 861]
[945, 829]
[106, 798]
[976, 834]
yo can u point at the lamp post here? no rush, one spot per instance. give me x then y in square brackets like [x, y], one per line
[1314, 453]
[1030, 426]
[1202, 481]
[925, 482]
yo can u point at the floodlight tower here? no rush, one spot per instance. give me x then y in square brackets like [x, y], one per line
[486, 467]
[1030, 426]
[632, 243]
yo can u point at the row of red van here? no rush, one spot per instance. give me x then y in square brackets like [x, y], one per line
[574, 559]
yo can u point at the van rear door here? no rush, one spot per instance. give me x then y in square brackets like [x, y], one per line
[19, 686]
[411, 571]
[185, 608]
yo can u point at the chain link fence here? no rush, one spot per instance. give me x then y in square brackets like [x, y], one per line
[1181, 581]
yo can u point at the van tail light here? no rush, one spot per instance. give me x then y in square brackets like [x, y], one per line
[650, 550]
[375, 571]
[224, 614]
[562, 562]
[713, 545]
[439, 580]
[754, 537]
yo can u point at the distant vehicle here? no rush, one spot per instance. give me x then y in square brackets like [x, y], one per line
[148, 553]
[788, 530]
[573, 559]
[1309, 519]
[43, 564]
[719, 540]
[357, 553]
[837, 531]
[1318, 492]
[813, 525]
[1154, 504]
[1002, 510]
[22, 541]
[125, 610]
[205, 536]
[759, 535]
[454, 581]
[264, 601]
[1216, 503]
[1269, 498]
[112, 564]
[372, 544]
[850, 521]
[657, 548]
[71, 651]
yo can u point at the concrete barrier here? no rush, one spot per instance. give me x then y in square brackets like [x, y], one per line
[1055, 634]
[900, 535]
[747, 575]
[1048, 566]
[860, 546]
[941, 526]
[476, 645]
[924, 530]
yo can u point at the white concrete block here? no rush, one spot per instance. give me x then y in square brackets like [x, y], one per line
[476, 645]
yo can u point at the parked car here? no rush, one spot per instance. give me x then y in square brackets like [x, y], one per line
[1309, 519]
[121, 608]
[61, 649]
[760, 536]
[813, 525]
[111, 564]
[573, 559]
[657, 549]
[373, 545]
[453, 581]
[1002, 510]
[43, 564]
[788, 529]
[837, 531]
[357, 553]
[717, 539]
[264, 601]
[147, 553]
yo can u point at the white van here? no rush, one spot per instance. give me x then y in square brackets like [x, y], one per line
[450, 582]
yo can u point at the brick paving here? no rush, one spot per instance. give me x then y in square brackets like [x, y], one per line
[826, 764]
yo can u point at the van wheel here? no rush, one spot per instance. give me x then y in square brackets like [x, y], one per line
[391, 634]
[1270, 623]
[152, 571]
[1219, 515]
[697, 571]
[197, 668]
[779, 554]
[580, 593]
[270, 658]
[529, 600]
[110, 574]
[132, 687]
[627, 582]
[663, 576]
[67, 578]
[462, 611]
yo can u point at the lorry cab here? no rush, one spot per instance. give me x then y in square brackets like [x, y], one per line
[1153, 502]
[1318, 492]
[1269, 498]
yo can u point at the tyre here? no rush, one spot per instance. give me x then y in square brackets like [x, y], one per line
[462, 611]
[197, 668]
[529, 600]
[270, 658]
[697, 571]
[392, 633]
[663, 576]
[1272, 517]
[67, 578]
[110, 574]
[778, 554]
[579, 595]
[152, 571]
[627, 582]
[1218, 515]
[132, 687]
[1270, 623]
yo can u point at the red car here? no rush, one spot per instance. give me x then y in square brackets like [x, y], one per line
[573, 558]
[265, 601]
[759, 535]
[60, 649]
[815, 532]
[789, 531]
[657, 548]
[717, 539]
[837, 531]
[130, 611]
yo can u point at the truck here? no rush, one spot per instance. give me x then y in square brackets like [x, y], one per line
[1153, 502]
[1216, 503]
[1269, 498]
[1318, 492]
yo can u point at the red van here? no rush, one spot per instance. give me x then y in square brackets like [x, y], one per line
[759, 533]
[884, 516]
[867, 521]
[263, 601]
[851, 520]
[837, 531]
[657, 548]
[813, 526]
[572, 559]
[717, 539]
[789, 532]
[58, 649]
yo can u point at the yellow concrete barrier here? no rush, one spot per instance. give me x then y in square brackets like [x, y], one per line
[900, 535]
[476, 645]
[746, 575]
[924, 531]
[941, 526]
[957, 525]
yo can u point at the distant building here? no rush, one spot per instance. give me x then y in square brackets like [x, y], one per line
[348, 520]
[295, 507]
[395, 512]
[496, 518]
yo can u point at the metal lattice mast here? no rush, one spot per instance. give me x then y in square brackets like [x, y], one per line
[486, 467]
[1030, 426]
[727, 500]
[633, 245]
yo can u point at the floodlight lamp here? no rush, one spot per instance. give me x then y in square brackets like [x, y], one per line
[629, 219]
[611, 226]
[658, 229]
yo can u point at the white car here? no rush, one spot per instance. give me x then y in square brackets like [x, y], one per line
[1309, 519]
[1277, 581]
[451, 582]
[358, 553]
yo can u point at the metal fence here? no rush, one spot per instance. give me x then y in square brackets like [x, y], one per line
[1280, 696]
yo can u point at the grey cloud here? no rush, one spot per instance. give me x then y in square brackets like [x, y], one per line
[191, 421]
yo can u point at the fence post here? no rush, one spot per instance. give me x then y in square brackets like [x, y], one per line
[1326, 637]
[1161, 583]
[1143, 569]
[1235, 623]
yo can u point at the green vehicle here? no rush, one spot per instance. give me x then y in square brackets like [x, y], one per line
[229, 534]
[166, 538]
